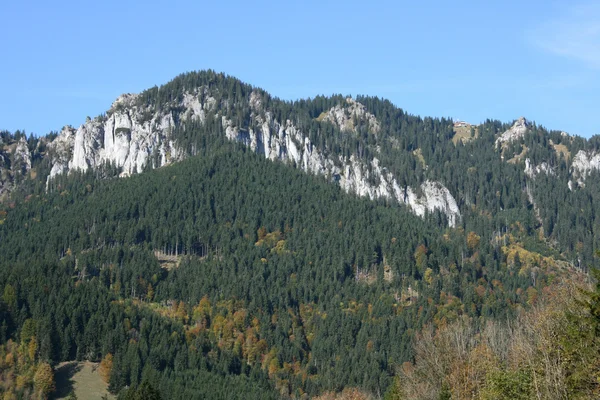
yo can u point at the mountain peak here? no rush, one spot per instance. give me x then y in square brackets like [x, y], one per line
[515, 132]
[126, 99]
[521, 121]
[345, 116]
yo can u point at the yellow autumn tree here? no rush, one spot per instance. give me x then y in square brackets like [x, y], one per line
[9, 360]
[106, 367]
[44, 380]
[273, 367]
[428, 276]
[10, 297]
[32, 349]
[202, 311]
[346, 394]
[149, 292]
[473, 240]
[180, 312]
[10, 395]
[262, 232]
[421, 257]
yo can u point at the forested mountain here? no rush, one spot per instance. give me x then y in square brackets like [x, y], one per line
[212, 241]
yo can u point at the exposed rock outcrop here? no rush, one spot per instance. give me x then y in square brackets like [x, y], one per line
[584, 163]
[132, 137]
[285, 142]
[515, 132]
[533, 170]
[15, 162]
[21, 157]
[60, 151]
[127, 137]
[5, 176]
[344, 116]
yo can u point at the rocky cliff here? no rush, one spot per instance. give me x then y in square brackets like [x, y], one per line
[516, 132]
[533, 170]
[584, 163]
[126, 137]
[15, 162]
[132, 137]
[367, 146]
[344, 116]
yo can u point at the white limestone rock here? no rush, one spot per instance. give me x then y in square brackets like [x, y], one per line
[124, 100]
[286, 143]
[255, 101]
[15, 160]
[88, 140]
[533, 170]
[22, 156]
[131, 134]
[435, 197]
[516, 132]
[194, 108]
[584, 163]
[343, 116]
[60, 151]
[127, 137]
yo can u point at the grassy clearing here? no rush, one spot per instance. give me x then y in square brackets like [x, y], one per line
[82, 378]
[167, 261]
[518, 157]
[322, 116]
[463, 134]
[419, 155]
[561, 149]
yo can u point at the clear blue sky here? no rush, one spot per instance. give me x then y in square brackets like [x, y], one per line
[64, 60]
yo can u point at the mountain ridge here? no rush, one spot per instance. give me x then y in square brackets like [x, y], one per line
[361, 144]
[127, 137]
[205, 232]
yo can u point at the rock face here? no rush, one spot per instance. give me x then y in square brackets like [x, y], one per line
[517, 131]
[61, 151]
[15, 162]
[285, 142]
[533, 170]
[127, 137]
[5, 176]
[345, 117]
[435, 197]
[21, 157]
[584, 163]
[133, 137]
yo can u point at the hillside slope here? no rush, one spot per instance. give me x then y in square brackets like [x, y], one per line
[233, 259]
[367, 145]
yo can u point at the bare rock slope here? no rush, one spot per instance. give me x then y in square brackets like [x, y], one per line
[133, 137]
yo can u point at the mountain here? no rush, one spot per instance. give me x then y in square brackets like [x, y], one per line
[367, 145]
[219, 242]
[135, 134]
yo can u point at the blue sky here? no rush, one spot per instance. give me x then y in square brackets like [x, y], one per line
[470, 60]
